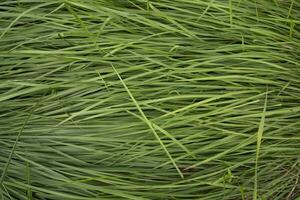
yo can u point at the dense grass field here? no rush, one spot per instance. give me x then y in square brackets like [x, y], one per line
[149, 99]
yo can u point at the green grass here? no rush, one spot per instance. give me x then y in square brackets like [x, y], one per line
[149, 99]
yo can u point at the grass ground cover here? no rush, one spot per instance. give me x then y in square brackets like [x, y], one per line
[149, 99]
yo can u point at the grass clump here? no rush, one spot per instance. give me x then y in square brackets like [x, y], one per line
[149, 99]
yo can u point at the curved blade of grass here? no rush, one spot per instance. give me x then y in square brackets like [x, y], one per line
[148, 123]
[259, 139]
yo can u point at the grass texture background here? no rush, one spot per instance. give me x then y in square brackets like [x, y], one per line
[142, 100]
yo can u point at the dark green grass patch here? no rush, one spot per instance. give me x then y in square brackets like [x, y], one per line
[149, 99]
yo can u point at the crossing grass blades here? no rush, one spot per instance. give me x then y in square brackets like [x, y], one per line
[149, 99]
